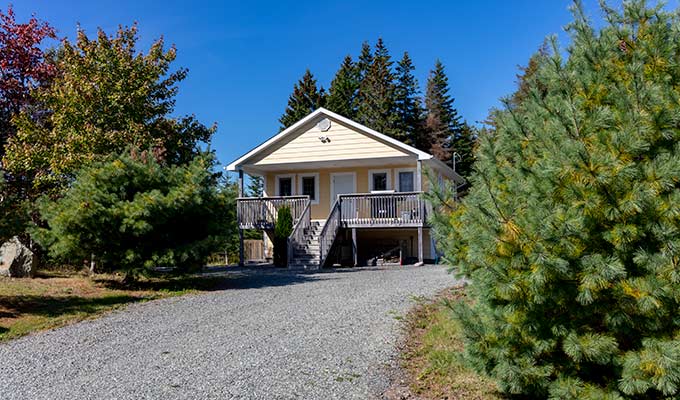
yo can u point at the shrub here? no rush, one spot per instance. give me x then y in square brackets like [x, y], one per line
[282, 229]
[570, 234]
[135, 214]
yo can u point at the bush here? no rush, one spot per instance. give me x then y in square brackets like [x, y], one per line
[282, 229]
[135, 214]
[570, 234]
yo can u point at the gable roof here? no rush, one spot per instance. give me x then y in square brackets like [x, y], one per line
[290, 131]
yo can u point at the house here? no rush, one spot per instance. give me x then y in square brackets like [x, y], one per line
[354, 193]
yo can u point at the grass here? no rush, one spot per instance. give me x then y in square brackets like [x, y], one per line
[431, 356]
[59, 298]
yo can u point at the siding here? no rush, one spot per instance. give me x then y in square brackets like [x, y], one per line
[321, 210]
[345, 144]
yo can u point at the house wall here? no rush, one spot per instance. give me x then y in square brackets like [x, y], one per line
[321, 210]
[343, 144]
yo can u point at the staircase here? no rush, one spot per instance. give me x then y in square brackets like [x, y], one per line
[306, 254]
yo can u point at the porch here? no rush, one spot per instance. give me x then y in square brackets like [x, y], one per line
[311, 242]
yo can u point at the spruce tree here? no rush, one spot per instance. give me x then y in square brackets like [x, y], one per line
[570, 235]
[363, 64]
[442, 123]
[407, 103]
[377, 106]
[256, 186]
[306, 98]
[343, 91]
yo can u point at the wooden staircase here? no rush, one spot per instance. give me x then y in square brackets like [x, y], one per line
[307, 253]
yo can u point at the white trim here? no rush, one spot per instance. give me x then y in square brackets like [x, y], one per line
[292, 184]
[332, 185]
[361, 128]
[396, 178]
[314, 175]
[371, 172]
[264, 185]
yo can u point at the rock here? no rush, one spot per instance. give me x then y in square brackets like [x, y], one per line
[17, 260]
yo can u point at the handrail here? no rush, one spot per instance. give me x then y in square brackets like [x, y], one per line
[297, 236]
[329, 232]
[262, 212]
[383, 209]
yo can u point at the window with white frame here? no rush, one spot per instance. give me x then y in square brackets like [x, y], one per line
[406, 180]
[379, 180]
[284, 185]
[309, 186]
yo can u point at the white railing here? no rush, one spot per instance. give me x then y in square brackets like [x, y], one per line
[329, 232]
[261, 212]
[382, 209]
[297, 236]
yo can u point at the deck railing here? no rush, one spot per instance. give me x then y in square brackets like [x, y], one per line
[261, 212]
[382, 210]
[297, 236]
[329, 232]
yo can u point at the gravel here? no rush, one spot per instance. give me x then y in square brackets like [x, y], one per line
[269, 335]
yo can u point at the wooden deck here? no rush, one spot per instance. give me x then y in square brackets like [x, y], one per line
[349, 211]
[360, 210]
[262, 212]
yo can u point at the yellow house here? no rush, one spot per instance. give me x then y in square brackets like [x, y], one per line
[354, 193]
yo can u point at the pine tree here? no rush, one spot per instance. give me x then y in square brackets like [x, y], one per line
[344, 88]
[570, 235]
[442, 123]
[256, 186]
[407, 103]
[306, 98]
[377, 108]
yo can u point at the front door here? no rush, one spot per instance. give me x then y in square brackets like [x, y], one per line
[342, 184]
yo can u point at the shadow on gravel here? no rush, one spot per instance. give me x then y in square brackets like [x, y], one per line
[52, 306]
[214, 279]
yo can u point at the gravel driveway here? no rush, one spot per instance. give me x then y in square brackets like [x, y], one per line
[270, 335]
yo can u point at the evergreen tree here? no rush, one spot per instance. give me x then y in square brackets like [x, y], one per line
[363, 64]
[570, 234]
[442, 123]
[377, 106]
[407, 103]
[306, 98]
[256, 186]
[136, 214]
[344, 88]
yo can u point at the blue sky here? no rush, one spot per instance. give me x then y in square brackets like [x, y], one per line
[244, 56]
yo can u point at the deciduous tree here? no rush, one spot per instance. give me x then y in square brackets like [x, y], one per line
[107, 97]
[24, 66]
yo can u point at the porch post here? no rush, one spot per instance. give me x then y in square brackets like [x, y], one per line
[419, 176]
[354, 247]
[420, 244]
[241, 260]
[240, 183]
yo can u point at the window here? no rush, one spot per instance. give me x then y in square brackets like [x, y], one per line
[285, 186]
[379, 180]
[406, 181]
[308, 185]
